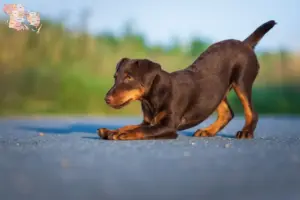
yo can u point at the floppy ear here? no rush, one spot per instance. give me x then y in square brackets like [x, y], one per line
[151, 70]
[121, 62]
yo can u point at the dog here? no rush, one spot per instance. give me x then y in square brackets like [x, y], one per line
[182, 99]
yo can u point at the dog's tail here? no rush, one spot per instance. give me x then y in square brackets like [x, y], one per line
[256, 36]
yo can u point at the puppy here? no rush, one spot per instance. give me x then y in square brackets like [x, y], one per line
[182, 99]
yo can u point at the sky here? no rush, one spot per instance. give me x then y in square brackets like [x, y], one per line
[161, 21]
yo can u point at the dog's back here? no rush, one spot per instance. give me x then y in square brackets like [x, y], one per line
[228, 52]
[227, 58]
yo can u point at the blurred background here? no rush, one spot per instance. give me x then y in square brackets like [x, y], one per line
[69, 66]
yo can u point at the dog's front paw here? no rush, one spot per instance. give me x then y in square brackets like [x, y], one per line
[203, 133]
[130, 136]
[244, 134]
[113, 136]
[104, 133]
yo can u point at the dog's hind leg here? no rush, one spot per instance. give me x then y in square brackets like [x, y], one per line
[225, 115]
[244, 92]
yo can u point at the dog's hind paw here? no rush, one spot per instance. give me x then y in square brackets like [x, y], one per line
[244, 135]
[203, 133]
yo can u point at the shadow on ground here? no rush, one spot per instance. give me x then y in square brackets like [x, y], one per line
[74, 128]
[89, 128]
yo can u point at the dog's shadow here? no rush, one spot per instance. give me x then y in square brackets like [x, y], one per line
[91, 129]
[73, 128]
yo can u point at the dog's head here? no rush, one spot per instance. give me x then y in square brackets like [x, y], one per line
[133, 79]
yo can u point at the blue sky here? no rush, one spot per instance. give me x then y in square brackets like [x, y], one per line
[160, 21]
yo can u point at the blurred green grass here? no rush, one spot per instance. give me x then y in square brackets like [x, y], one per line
[68, 72]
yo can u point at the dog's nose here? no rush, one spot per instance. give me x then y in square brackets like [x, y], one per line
[108, 99]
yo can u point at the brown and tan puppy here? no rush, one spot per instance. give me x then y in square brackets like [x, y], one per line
[183, 99]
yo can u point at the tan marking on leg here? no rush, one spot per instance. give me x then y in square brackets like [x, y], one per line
[109, 134]
[127, 128]
[158, 117]
[246, 105]
[131, 135]
[251, 117]
[147, 119]
[225, 114]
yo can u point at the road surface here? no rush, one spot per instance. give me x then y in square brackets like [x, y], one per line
[63, 158]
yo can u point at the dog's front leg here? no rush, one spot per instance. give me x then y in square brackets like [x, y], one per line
[162, 127]
[146, 133]
[105, 133]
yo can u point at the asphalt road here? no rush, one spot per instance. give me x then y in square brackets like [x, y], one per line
[63, 158]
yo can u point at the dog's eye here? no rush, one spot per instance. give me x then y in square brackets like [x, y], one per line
[128, 78]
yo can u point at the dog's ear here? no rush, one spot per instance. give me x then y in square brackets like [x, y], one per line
[151, 70]
[121, 62]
